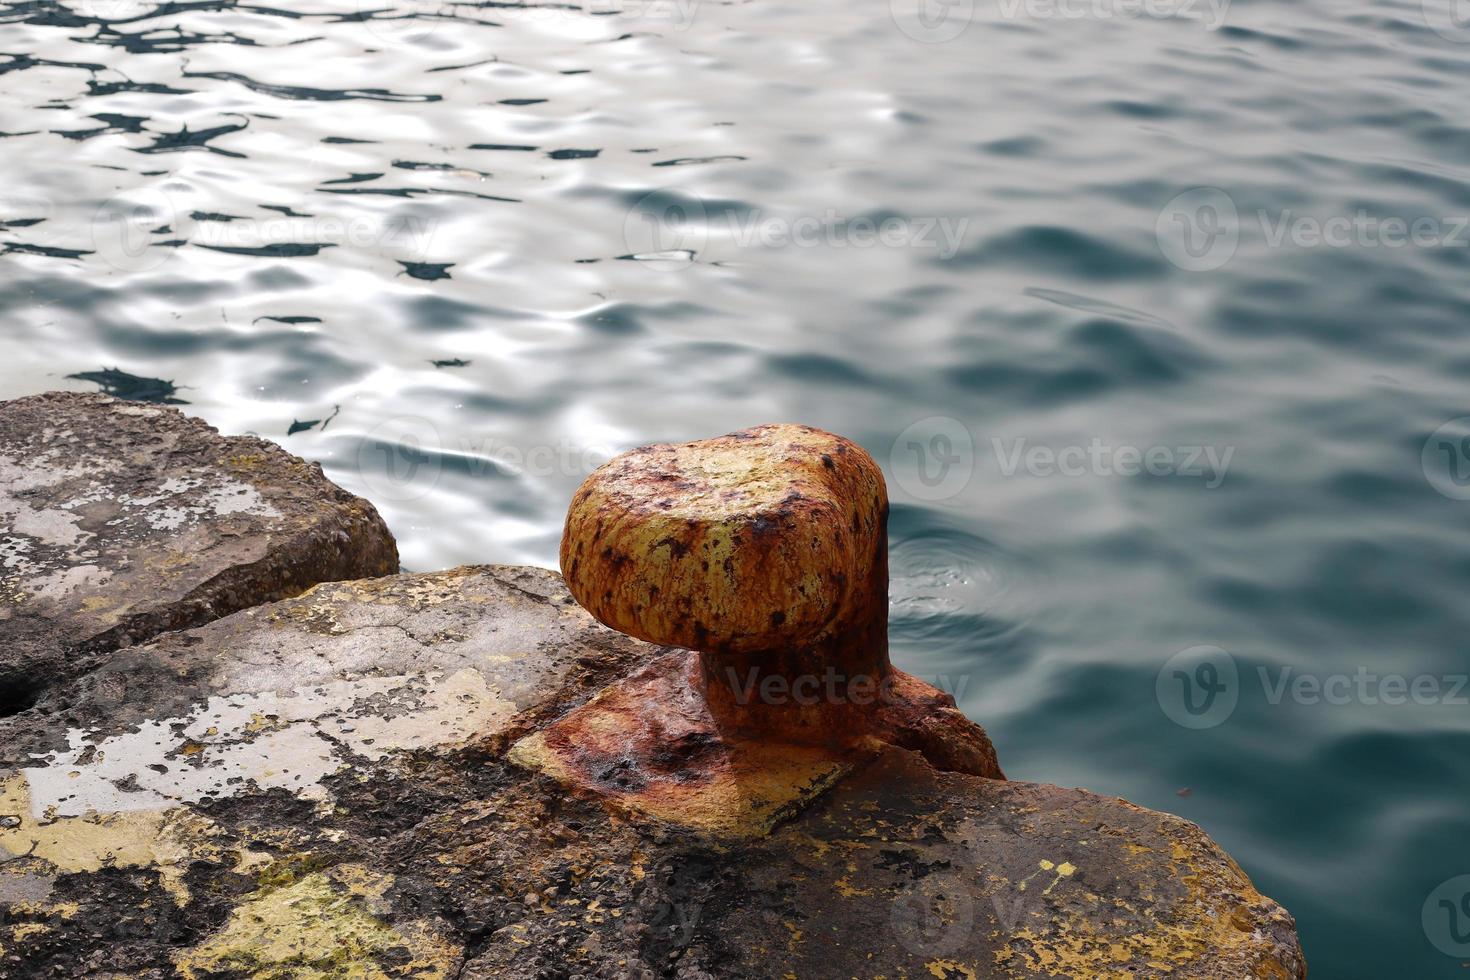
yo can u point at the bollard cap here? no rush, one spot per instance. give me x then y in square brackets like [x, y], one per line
[762, 540]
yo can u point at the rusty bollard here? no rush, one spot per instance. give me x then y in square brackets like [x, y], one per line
[764, 552]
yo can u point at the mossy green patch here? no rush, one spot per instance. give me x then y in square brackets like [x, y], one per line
[291, 869]
[323, 927]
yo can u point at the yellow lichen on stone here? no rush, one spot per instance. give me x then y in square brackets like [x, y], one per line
[165, 841]
[844, 887]
[290, 869]
[244, 462]
[66, 911]
[11, 592]
[260, 723]
[98, 603]
[322, 926]
[1219, 926]
[1065, 951]
[26, 930]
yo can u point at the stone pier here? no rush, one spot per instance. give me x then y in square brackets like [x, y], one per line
[219, 761]
[120, 520]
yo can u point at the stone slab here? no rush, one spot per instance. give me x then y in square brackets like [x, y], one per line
[903, 871]
[319, 788]
[121, 520]
[282, 696]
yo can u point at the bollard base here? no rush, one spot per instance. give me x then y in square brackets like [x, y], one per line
[651, 745]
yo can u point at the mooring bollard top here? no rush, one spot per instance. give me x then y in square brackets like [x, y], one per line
[759, 540]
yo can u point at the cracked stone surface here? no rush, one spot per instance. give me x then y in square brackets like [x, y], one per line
[320, 787]
[121, 520]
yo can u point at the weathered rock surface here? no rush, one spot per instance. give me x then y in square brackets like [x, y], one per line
[121, 520]
[905, 871]
[149, 810]
[320, 788]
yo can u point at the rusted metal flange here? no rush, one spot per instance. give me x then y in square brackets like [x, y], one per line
[765, 553]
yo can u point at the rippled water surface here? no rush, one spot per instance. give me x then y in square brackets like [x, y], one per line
[462, 252]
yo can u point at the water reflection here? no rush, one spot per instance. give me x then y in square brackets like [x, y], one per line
[461, 253]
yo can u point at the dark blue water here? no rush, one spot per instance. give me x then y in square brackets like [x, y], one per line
[1154, 315]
